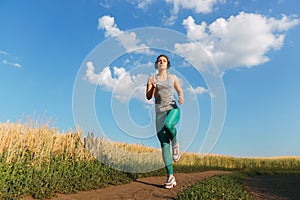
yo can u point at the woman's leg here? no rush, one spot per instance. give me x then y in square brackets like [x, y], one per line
[172, 119]
[166, 132]
[164, 141]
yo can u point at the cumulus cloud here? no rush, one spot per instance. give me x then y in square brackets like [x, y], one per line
[124, 85]
[284, 24]
[104, 78]
[198, 90]
[127, 39]
[239, 41]
[198, 6]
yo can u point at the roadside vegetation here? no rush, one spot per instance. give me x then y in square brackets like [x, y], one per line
[227, 186]
[39, 161]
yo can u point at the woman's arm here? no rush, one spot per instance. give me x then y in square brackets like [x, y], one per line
[151, 85]
[178, 89]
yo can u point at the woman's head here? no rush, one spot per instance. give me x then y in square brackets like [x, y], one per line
[161, 58]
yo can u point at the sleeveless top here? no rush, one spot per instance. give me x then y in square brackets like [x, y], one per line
[164, 95]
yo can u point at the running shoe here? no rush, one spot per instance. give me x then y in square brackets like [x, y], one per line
[171, 182]
[176, 153]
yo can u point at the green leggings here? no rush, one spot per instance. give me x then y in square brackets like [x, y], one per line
[166, 132]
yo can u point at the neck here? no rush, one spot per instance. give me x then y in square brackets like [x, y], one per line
[163, 72]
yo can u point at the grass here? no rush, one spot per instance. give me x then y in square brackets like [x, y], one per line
[41, 161]
[227, 186]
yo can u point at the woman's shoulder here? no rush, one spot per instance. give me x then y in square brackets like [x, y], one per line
[173, 76]
[152, 76]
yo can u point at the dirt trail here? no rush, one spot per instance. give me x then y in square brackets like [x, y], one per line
[274, 187]
[142, 188]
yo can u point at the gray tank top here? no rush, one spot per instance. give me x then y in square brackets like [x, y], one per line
[164, 95]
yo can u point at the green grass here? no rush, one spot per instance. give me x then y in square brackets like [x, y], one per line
[227, 186]
[40, 161]
[22, 179]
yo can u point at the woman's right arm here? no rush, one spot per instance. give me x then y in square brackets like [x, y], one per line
[151, 85]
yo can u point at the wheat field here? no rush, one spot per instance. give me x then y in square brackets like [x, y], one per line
[39, 143]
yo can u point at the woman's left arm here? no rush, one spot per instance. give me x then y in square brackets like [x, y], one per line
[178, 89]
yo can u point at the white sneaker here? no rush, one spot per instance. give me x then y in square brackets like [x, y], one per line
[171, 182]
[176, 153]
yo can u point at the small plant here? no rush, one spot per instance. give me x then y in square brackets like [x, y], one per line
[219, 187]
[41, 161]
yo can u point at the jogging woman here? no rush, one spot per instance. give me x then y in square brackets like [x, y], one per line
[161, 86]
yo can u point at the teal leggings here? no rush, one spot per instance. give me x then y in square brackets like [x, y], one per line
[166, 132]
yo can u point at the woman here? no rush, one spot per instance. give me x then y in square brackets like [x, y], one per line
[161, 87]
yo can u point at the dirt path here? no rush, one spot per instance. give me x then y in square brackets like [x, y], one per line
[142, 188]
[271, 187]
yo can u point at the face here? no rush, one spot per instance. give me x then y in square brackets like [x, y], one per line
[162, 62]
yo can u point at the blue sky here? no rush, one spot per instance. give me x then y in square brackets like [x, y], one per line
[85, 63]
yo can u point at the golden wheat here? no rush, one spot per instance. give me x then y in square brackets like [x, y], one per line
[41, 143]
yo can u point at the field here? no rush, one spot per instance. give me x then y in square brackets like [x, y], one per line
[40, 161]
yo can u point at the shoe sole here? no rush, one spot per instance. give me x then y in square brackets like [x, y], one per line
[170, 186]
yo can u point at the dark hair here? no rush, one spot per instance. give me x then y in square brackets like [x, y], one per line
[168, 60]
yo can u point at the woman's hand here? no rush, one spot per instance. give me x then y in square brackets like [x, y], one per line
[180, 100]
[152, 81]
[151, 85]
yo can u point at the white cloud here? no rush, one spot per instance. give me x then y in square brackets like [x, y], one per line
[200, 91]
[196, 55]
[195, 31]
[197, 90]
[170, 20]
[104, 78]
[197, 6]
[128, 40]
[123, 85]
[4, 53]
[7, 56]
[108, 24]
[142, 4]
[105, 4]
[239, 41]
[284, 24]
[11, 63]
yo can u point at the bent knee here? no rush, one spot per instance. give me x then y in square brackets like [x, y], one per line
[169, 126]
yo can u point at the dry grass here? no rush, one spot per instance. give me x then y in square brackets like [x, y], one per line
[40, 143]
[17, 141]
